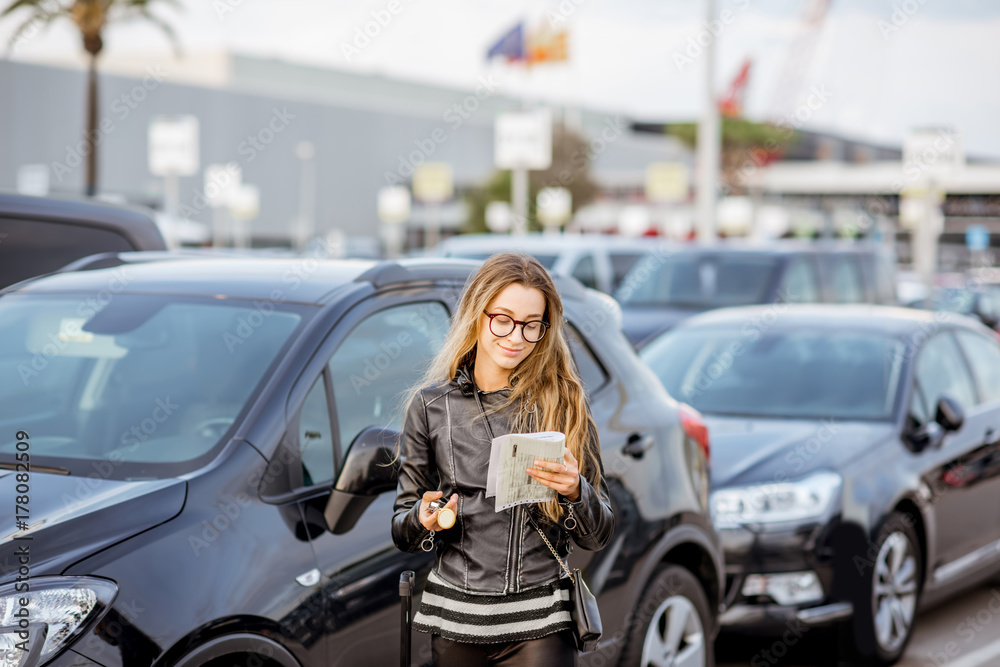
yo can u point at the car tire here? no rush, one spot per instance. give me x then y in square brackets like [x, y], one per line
[885, 608]
[671, 622]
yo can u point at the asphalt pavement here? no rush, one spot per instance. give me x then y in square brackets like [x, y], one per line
[964, 632]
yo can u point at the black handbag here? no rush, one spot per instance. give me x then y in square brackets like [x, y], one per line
[584, 612]
[586, 616]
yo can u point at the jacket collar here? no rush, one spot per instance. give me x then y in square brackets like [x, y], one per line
[466, 383]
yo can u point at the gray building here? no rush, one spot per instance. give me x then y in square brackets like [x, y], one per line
[367, 132]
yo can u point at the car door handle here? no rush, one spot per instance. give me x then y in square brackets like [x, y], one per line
[637, 444]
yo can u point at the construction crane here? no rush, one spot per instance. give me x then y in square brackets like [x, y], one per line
[800, 57]
[731, 105]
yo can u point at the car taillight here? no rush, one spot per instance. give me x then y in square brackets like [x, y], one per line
[695, 427]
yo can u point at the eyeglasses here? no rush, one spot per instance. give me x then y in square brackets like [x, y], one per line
[502, 325]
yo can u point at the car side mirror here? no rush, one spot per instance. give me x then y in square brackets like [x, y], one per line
[950, 414]
[370, 468]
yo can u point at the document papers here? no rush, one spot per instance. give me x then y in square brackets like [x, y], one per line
[510, 456]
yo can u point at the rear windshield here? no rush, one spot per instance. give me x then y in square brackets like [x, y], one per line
[148, 383]
[32, 247]
[548, 261]
[698, 281]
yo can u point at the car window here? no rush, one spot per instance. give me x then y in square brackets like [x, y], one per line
[621, 264]
[315, 436]
[33, 247]
[379, 360]
[699, 280]
[799, 284]
[846, 281]
[941, 371]
[723, 370]
[984, 354]
[589, 368]
[885, 281]
[584, 272]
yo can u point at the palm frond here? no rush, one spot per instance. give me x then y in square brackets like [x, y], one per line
[40, 19]
[37, 5]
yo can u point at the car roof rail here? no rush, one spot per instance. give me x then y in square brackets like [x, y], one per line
[392, 272]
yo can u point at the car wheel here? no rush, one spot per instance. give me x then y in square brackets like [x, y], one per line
[884, 615]
[670, 625]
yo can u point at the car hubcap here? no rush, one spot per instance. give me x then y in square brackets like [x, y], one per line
[675, 637]
[894, 596]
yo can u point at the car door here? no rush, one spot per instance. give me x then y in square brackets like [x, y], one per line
[959, 501]
[383, 347]
[983, 354]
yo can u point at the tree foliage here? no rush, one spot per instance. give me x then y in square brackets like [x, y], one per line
[570, 169]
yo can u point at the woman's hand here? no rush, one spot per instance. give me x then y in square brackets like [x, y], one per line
[565, 478]
[428, 517]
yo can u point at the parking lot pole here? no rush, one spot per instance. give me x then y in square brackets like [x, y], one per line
[519, 199]
[709, 144]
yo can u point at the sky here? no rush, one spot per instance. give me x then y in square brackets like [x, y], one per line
[875, 68]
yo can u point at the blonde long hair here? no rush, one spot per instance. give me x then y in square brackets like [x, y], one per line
[545, 385]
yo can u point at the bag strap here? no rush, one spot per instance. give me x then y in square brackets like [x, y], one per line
[489, 429]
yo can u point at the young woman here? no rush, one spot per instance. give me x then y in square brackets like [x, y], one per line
[496, 595]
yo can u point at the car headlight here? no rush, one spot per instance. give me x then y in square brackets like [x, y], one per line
[41, 615]
[772, 503]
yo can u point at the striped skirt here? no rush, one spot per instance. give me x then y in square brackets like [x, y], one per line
[485, 619]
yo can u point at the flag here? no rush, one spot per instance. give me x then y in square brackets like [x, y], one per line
[510, 46]
[545, 45]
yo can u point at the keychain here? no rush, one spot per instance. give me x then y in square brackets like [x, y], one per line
[446, 516]
[570, 522]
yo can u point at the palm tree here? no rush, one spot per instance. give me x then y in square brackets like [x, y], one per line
[91, 18]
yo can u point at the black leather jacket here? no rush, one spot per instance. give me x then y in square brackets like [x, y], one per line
[447, 447]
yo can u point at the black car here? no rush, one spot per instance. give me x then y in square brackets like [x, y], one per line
[856, 461]
[672, 284]
[40, 235]
[210, 457]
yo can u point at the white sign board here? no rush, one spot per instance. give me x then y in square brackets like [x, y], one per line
[33, 179]
[173, 146]
[499, 217]
[244, 204]
[667, 182]
[523, 140]
[554, 205]
[394, 204]
[221, 181]
[433, 182]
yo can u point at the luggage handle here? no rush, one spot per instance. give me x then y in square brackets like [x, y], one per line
[406, 584]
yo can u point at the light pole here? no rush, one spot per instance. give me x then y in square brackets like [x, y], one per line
[708, 144]
[306, 152]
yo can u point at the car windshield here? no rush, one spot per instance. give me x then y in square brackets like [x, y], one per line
[954, 300]
[792, 374]
[695, 280]
[548, 261]
[134, 386]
